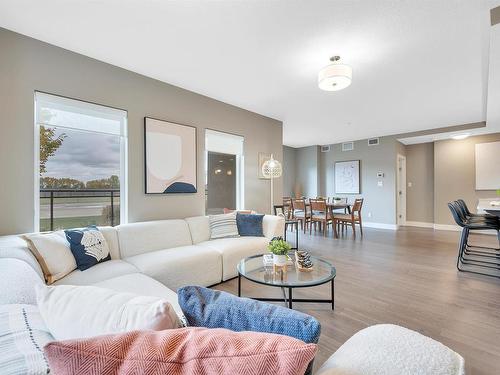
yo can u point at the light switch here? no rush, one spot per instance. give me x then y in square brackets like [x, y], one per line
[380, 183]
[410, 184]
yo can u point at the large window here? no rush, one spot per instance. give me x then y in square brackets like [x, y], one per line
[224, 172]
[80, 163]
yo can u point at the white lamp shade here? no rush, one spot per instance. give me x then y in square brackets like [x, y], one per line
[334, 77]
[271, 168]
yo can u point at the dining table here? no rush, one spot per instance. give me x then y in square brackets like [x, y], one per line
[335, 206]
[490, 206]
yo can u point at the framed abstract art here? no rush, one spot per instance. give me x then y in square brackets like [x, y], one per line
[170, 157]
[347, 177]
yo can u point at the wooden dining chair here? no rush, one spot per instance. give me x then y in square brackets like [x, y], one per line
[351, 219]
[341, 201]
[287, 208]
[320, 213]
[301, 213]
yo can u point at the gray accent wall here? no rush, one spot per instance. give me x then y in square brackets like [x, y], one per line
[380, 201]
[314, 175]
[28, 65]
[289, 165]
[455, 174]
[306, 171]
[420, 173]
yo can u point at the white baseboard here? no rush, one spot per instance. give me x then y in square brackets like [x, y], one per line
[449, 227]
[452, 227]
[420, 224]
[380, 225]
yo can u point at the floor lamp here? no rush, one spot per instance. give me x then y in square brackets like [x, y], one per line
[271, 169]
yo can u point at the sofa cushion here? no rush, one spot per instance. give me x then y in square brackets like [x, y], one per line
[16, 247]
[392, 350]
[180, 266]
[182, 351]
[210, 308]
[143, 285]
[72, 312]
[22, 335]
[140, 238]
[16, 289]
[88, 246]
[235, 249]
[53, 253]
[249, 225]
[99, 272]
[199, 227]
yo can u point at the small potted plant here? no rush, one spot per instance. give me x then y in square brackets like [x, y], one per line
[279, 248]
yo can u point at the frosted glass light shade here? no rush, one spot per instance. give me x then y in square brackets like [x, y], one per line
[335, 77]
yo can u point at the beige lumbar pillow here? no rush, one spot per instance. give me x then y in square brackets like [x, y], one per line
[53, 253]
[72, 312]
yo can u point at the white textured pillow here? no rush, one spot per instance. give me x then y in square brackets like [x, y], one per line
[72, 312]
[222, 226]
[52, 252]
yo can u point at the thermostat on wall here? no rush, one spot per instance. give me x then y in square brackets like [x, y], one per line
[380, 174]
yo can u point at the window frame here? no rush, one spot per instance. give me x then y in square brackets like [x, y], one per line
[123, 159]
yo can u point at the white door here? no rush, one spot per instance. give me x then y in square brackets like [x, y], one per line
[401, 190]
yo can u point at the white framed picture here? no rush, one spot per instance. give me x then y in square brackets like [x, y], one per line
[170, 157]
[347, 177]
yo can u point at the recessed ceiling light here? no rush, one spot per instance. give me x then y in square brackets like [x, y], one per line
[335, 77]
[460, 136]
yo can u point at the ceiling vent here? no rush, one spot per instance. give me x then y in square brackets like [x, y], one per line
[325, 148]
[348, 146]
[373, 141]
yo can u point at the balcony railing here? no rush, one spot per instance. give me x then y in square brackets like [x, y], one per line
[69, 208]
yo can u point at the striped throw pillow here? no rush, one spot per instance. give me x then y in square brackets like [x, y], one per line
[222, 226]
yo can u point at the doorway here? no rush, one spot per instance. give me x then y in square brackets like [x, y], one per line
[401, 190]
[221, 182]
[224, 174]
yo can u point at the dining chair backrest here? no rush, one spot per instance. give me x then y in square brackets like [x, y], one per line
[356, 207]
[299, 204]
[460, 211]
[463, 207]
[455, 212]
[318, 205]
[287, 202]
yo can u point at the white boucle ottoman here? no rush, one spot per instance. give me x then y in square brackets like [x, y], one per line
[387, 349]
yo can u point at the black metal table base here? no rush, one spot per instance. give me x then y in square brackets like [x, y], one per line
[289, 300]
[295, 226]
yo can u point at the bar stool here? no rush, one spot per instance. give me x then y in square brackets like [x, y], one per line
[487, 257]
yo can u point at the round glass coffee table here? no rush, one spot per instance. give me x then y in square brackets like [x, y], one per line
[253, 269]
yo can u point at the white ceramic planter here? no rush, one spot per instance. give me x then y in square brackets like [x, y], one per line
[279, 260]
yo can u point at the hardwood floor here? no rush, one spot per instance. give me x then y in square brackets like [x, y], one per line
[405, 277]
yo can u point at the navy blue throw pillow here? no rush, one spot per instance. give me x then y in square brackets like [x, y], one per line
[250, 225]
[215, 309]
[88, 246]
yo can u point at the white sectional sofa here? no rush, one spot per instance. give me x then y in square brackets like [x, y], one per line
[157, 257]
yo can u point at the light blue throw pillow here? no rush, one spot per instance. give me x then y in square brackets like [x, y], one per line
[215, 309]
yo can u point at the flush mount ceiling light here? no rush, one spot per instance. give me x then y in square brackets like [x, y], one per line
[336, 76]
[460, 136]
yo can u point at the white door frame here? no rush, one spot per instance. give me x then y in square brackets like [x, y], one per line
[400, 189]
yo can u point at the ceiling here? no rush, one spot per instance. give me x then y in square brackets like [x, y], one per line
[416, 64]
